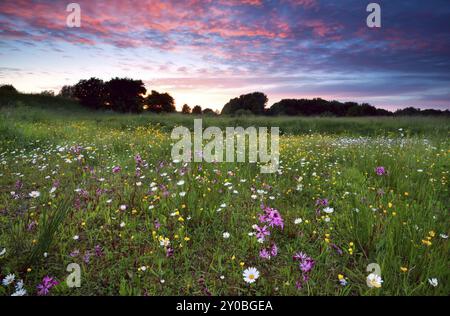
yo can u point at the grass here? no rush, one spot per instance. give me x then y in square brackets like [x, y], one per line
[398, 220]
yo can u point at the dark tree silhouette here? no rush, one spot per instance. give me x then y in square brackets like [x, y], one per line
[209, 112]
[8, 88]
[186, 109]
[47, 93]
[254, 102]
[67, 92]
[91, 93]
[197, 110]
[321, 107]
[160, 102]
[125, 95]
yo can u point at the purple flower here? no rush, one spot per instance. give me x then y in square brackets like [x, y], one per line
[169, 252]
[138, 159]
[380, 171]
[264, 253]
[261, 232]
[157, 224]
[87, 256]
[322, 202]
[272, 217]
[75, 253]
[300, 256]
[116, 169]
[47, 283]
[307, 265]
[19, 185]
[274, 250]
[98, 250]
[31, 226]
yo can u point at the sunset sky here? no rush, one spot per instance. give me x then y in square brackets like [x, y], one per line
[208, 51]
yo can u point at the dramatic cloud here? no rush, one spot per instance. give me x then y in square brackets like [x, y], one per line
[207, 51]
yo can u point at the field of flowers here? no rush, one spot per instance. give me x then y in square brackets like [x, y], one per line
[108, 198]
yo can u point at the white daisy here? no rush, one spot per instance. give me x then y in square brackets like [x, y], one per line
[181, 182]
[374, 280]
[433, 282]
[123, 207]
[34, 194]
[298, 221]
[76, 237]
[182, 194]
[53, 189]
[20, 292]
[8, 279]
[226, 235]
[122, 224]
[2, 253]
[250, 275]
[328, 210]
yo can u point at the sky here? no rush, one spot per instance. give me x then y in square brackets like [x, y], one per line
[206, 52]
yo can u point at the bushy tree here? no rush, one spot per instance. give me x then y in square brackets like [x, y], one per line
[209, 112]
[197, 110]
[125, 95]
[8, 88]
[186, 109]
[91, 93]
[67, 92]
[48, 93]
[160, 102]
[254, 102]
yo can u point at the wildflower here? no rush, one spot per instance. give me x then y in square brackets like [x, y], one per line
[264, 253]
[322, 202]
[20, 292]
[433, 282]
[123, 207]
[98, 251]
[274, 250]
[34, 194]
[53, 189]
[328, 210]
[272, 217]
[8, 279]
[298, 221]
[374, 280]
[380, 171]
[261, 232]
[226, 235]
[122, 225]
[2, 253]
[403, 269]
[47, 283]
[250, 275]
[76, 237]
[443, 236]
[342, 280]
[181, 182]
[116, 169]
[169, 252]
[307, 265]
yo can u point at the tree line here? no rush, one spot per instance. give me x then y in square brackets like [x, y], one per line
[129, 95]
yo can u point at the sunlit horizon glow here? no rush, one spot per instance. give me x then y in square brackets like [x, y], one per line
[206, 52]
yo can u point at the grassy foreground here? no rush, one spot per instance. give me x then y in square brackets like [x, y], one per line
[74, 190]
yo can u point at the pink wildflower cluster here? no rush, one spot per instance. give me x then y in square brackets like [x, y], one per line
[306, 264]
[271, 217]
[47, 283]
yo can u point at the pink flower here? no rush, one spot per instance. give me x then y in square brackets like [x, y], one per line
[380, 171]
[261, 232]
[116, 169]
[47, 283]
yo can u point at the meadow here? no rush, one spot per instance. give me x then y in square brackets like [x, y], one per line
[101, 190]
